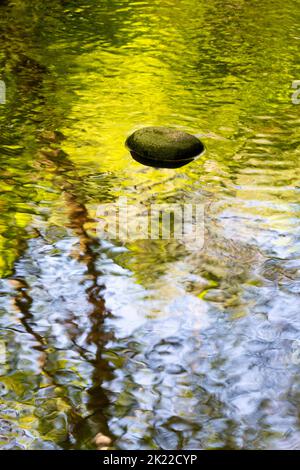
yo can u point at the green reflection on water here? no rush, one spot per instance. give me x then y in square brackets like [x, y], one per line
[80, 77]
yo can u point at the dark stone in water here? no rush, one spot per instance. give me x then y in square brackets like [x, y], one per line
[163, 147]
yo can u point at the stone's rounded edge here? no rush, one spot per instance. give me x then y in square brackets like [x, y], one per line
[160, 163]
[164, 144]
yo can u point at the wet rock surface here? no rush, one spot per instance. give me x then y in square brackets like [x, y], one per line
[163, 147]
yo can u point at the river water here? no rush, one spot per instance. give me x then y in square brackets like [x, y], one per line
[156, 344]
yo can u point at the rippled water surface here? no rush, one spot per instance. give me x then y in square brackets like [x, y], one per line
[155, 344]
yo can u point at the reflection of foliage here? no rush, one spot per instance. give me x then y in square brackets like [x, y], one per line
[33, 176]
[94, 71]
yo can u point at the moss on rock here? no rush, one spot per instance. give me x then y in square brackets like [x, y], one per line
[164, 145]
